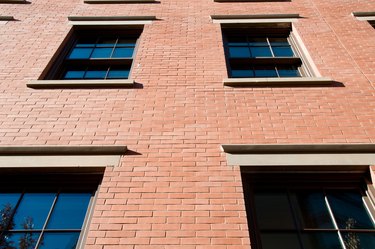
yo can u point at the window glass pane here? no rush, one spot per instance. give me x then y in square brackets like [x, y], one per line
[19, 240]
[237, 41]
[240, 73]
[74, 74]
[86, 42]
[123, 53]
[96, 73]
[59, 241]
[265, 71]
[271, 206]
[279, 42]
[7, 204]
[349, 210]
[33, 210]
[80, 53]
[69, 211]
[359, 240]
[239, 52]
[282, 51]
[260, 52]
[285, 71]
[329, 240]
[107, 42]
[313, 210]
[280, 241]
[126, 42]
[253, 42]
[102, 53]
[117, 73]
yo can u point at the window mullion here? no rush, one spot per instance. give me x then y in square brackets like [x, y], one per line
[334, 220]
[47, 219]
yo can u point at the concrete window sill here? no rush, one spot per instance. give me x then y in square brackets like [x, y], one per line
[80, 83]
[292, 81]
[118, 1]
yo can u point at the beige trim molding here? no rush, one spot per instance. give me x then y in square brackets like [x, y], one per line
[223, 1]
[118, 1]
[110, 20]
[300, 154]
[260, 18]
[60, 156]
[364, 16]
[285, 81]
[80, 83]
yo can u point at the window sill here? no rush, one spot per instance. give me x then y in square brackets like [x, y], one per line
[80, 83]
[287, 81]
[223, 1]
[119, 1]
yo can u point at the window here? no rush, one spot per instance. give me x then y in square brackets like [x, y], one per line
[97, 54]
[309, 210]
[366, 16]
[261, 51]
[44, 210]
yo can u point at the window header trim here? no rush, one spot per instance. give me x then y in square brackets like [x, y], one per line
[260, 18]
[364, 16]
[300, 154]
[111, 20]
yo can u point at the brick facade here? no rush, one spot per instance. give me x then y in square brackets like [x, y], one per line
[174, 189]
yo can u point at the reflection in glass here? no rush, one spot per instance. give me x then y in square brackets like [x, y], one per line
[123, 53]
[59, 240]
[74, 74]
[239, 52]
[126, 42]
[7, 204]
[321, 240]
[33, 210]
[97, 73]
[260, 52]
[280, 241]
[118, 73]
[349, 210]
[359, 240]
[313, 210]
[80, 53]
[273, 210]
[288, 71]
[265, 71]
[19, 240]
[69, 211]
[101, 53]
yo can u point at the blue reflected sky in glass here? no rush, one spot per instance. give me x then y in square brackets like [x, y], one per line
[80, 53]
[242, 73]
[20, 240]
[280, 241]
[265, 72]
[102, 53]
[96, 74]
[123, 53]
[321, 240]
[313, 210]
[69, 211]
[239, 52]
[349, 210]
[8, 202]
[74, 74]
[282, 51]
[33, 210]
[359, 240]
[59, 240]
[260, 52]
[118, 74]
[288, 71]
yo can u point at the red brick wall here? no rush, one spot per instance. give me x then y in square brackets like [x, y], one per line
[176, 191]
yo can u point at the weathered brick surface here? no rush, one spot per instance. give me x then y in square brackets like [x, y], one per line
[176, 191]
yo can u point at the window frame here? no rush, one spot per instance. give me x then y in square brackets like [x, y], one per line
[295, 181]
[120, 23]
[51, 179]
[311, 75]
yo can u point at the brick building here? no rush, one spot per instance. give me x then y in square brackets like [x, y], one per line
[187, 124]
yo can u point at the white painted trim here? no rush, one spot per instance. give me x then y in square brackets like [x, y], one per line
[364, 16]
[59, 161]
[295, 81]
[300, 159]
[101, 23]
[271, 20]
[80, 83]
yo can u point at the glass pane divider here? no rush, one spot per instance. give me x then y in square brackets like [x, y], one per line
[334, 221]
